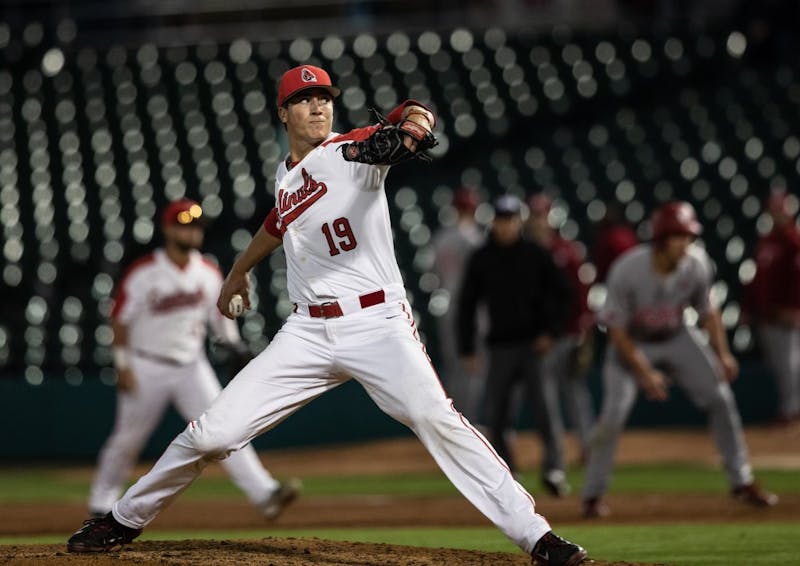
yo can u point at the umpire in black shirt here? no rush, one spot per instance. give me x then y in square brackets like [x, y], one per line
[527, 299]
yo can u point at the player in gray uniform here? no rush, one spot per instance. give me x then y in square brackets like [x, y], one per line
[649, 287]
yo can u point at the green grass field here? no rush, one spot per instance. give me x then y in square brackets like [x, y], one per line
[673, 544]
[21, 485]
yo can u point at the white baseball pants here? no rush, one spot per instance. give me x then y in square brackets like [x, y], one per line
[379, 347]
[192, 388]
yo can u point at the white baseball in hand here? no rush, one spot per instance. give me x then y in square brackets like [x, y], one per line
[236, 306]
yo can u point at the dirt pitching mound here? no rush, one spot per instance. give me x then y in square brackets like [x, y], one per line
[267, 552]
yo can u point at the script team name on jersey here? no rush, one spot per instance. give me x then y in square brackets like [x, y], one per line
[658, 317]
[292, 204]
[174, 301]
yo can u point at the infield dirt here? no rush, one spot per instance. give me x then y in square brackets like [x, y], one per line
[768, 448]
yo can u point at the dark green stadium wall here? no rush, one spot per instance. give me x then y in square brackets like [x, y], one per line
[60, 421]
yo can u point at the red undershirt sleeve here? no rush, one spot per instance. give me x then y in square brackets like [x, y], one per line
[271, 224]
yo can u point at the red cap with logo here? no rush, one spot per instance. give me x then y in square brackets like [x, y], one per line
[183, 212]
[303, 77]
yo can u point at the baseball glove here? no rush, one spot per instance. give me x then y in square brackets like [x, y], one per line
[386, 145]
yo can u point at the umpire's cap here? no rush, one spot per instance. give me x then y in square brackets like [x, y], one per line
[302, 78]
[507, 205]
[675, 218]
[183, 212]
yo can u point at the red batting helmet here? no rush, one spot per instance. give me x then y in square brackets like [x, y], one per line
[673, 218]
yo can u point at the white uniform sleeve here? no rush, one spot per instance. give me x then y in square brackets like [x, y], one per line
[129, 297]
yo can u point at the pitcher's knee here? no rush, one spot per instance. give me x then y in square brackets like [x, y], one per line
[435, 417]
[215, 445]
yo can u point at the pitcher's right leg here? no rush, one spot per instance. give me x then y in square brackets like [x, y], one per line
[290, 372]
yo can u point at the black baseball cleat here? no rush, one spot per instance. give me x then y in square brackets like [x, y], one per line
[552, 550]
[555, 482]
[594, 508]
[287, 492]
[755, 495]
[101, 535]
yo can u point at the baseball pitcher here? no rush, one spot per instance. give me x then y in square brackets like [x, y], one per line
[351, 318]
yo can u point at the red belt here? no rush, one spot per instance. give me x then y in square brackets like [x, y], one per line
[332, 309]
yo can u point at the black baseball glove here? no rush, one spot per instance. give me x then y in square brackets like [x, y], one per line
[386, 146]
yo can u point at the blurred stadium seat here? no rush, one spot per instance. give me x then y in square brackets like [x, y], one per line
[94, 140]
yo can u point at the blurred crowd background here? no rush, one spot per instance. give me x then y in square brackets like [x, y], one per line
[109, 109]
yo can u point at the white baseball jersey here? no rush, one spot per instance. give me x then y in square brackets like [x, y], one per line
[342, 245]
[167, 308]
[649, 305]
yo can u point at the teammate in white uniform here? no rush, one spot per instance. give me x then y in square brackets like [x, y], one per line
[162, 308]
[649, 287]
[351, 319]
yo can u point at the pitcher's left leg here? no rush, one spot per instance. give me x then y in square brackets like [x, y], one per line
[196, 394]
[290, 372]
[398, 376]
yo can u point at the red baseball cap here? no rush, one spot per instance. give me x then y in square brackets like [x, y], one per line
[466, 198]
[183, 212]
[303, 77]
